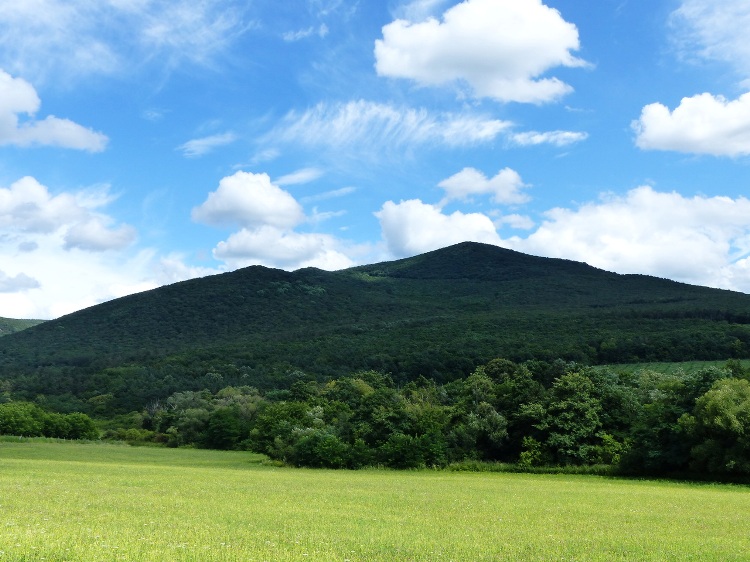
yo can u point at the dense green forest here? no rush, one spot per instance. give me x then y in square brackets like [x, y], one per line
[531, 414]
[393, 364]
[438, 315]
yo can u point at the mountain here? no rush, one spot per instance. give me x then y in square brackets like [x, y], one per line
[11, 325]
[438, 314]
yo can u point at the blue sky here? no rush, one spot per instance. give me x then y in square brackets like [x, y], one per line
[144, 142]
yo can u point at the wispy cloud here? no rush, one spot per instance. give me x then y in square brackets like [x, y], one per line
[367, 123]
[62, 38]
[305, 175]
[328, 195]
[555, 138]
[204, 145]
[714, 30]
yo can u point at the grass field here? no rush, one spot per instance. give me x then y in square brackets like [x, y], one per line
[68, 501]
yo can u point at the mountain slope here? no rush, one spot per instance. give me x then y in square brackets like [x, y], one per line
[438, 314]
[12, 325]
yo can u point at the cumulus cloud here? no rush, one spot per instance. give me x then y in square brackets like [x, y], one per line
[58, 37]
[96, 235]
[702, 124]
[413, 227]
[285, 249]
[18, 97]
[268, 216]
[555, 138]
[19, 282]
[27, 207]
[500, 50]
[63, 252]
[505, 187]
[199, 147]
[368, 123]
[714, 30]
[702, 240]
[520, 222]
[249, 200]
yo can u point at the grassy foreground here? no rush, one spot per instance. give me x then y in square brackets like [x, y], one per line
[67, 501]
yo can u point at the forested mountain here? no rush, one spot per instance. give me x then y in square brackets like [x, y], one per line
[12, 325]
[438, 315]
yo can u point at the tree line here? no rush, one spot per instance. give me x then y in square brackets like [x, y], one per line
[25, 419]
[532, 414]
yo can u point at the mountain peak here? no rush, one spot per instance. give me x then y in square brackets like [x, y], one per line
[473, 260]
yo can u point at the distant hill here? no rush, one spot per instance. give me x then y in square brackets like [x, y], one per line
[438, 315]
[11, 325]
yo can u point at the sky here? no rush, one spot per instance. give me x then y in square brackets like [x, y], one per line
[145, 142]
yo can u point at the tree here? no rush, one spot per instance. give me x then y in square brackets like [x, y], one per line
[22, 419]
[224, 428]
[572, 421]
[720, 426]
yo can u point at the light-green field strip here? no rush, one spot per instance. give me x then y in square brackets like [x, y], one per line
[104, 502]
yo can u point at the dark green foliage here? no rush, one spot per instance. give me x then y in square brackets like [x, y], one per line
[648, 423]
[720, 428]
[439, 315]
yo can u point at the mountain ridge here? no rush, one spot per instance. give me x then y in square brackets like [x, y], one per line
[439, 314]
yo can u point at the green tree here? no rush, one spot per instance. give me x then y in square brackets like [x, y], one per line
[720, 426]
[224, 428]
[572, 420]
[22, 419]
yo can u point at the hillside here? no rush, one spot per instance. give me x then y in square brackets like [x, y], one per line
[12, 325]
[438, 314]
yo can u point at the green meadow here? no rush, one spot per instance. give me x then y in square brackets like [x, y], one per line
[77, 501]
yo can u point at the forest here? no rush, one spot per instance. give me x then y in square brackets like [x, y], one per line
[531, 414]
[396, 364]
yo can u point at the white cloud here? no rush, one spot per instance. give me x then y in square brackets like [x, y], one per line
[27, 209]
[305, 175]
[413, 227]
[204, 145]
[172, 269]
[328, 195]
[500, 49]
[96, 235]
[701, 240]
[62, 38]
[250, 200]
[291, 36]
[556, 138]
[17, 283]
[274, 247]
[702, 124]
[18, 97]
[268, 216]
[27, 206]
[714, 30]
[367, 123]
[520, 222]
[62, 252]
[505, 187]
[419, 10]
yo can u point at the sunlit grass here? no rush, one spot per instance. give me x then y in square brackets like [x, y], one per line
[102, 502]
